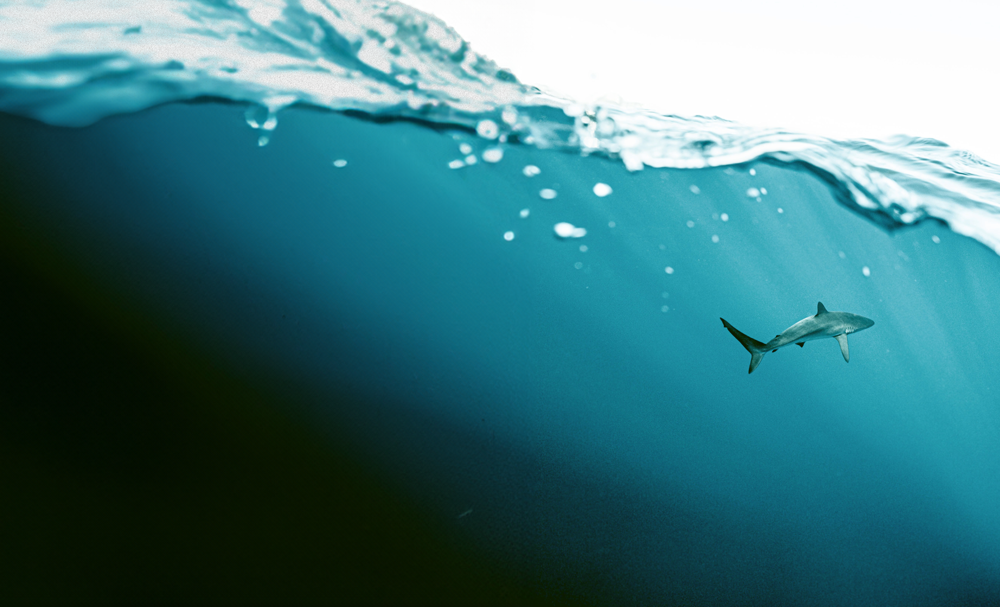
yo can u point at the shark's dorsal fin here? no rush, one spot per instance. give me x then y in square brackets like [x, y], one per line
[820, 308]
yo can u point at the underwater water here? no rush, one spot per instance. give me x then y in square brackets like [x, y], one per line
[334, 220]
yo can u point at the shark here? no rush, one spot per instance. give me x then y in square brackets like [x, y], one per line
[837, 325]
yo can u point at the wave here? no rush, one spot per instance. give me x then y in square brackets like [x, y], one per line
[70, 67]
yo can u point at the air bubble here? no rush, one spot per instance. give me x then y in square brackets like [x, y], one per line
[668, 270]
[340, 163]
[611, 224]
[493, 155]
[866, 271]
[567, 230]
[548, 193]
[753, 192]
[487, 129]
[715, 238]
[263, 140]
[578, 265]
[763, 191]
[781, 210]
[936, 240]
[601, 190]
[842, 254]
[525, 213]
[508, 236]
[724, 217]
[753, 171]
[531, 170]
[583, 248]
[470, 159]
[456, 164]
[665, 309]
[509, 116]
[465, 148]
[695, 189]
[690, 224]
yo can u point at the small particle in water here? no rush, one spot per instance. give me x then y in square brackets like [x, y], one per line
[531, 170]
[567, 230]
[781, 210]
[340, 163]
[763, 191]
[866, 271]
[493, 155]
[583, 248]
[456, 164]
[665, 295]
[470, 159]
[263, 140]
[753, 192]
[695, 189]
[665, 309]
[465, 148]
[547, 193]
[578, 265]
[508, 236]
[601, 190]
[753, 171]
[487, 129]
[663, 247]
[525, 213]
[936, 240]
[611, 224]
[465, 514]
[715, 238]
[724, 217]
[690, 223]
[715, 216]
[842, 254]
[668, 270]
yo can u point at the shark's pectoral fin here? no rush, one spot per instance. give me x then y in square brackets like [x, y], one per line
[842, 338]
[774, 350]
[801, 344]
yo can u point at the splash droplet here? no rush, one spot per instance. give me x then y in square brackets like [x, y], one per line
[601, 190]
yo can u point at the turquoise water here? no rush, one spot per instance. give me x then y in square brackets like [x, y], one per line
[562, 406]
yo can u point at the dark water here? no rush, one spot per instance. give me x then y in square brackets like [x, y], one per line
[239, 373]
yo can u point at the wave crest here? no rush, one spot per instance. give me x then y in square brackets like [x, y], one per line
[71, 67]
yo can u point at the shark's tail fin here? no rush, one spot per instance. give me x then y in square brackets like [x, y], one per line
[756, 349]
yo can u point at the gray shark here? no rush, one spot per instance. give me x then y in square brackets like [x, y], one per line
[824, 324]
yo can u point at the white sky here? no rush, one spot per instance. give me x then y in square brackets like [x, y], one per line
[849, 68]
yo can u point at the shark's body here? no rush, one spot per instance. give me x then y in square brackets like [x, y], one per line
[825, 324]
